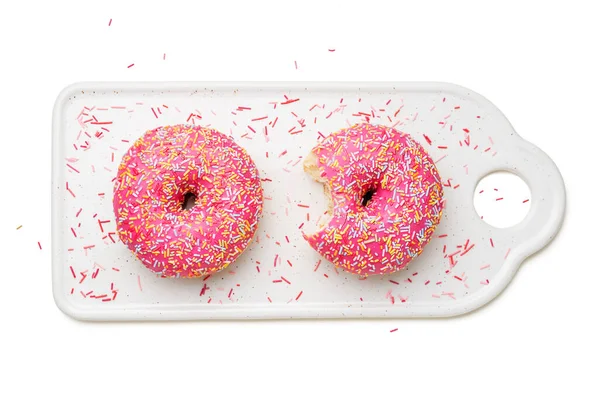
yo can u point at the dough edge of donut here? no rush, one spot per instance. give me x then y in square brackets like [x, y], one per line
[311, 167]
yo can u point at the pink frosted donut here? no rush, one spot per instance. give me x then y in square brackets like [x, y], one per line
[385, 198]
[170, 166]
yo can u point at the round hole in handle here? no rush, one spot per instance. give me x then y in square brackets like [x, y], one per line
[502, 199]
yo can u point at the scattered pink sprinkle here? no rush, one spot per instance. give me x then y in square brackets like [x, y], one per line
[130, 65]
[139, 279]
[110, 22]
[40, 245]
[73, 168]
[317, 266]
[296, 64]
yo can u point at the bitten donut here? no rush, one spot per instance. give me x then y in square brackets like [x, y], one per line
[385, 198]
[169, 167]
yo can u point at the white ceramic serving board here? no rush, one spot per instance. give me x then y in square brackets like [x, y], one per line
[95, 277]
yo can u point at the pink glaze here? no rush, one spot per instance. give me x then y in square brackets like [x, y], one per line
[153, 178]
[395, 225]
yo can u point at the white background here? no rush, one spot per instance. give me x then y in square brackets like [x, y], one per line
[537, 62]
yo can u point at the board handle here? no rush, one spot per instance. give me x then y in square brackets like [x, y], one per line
[548, 197]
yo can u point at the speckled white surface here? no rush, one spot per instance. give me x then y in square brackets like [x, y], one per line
[451, 276]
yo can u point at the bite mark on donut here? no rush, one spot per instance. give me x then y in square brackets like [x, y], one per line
[311, 167]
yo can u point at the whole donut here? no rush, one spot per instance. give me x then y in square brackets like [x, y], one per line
[161, 170]
[385, 198]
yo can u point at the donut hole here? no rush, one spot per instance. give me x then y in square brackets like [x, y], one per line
[367, 196]
[189, 201]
